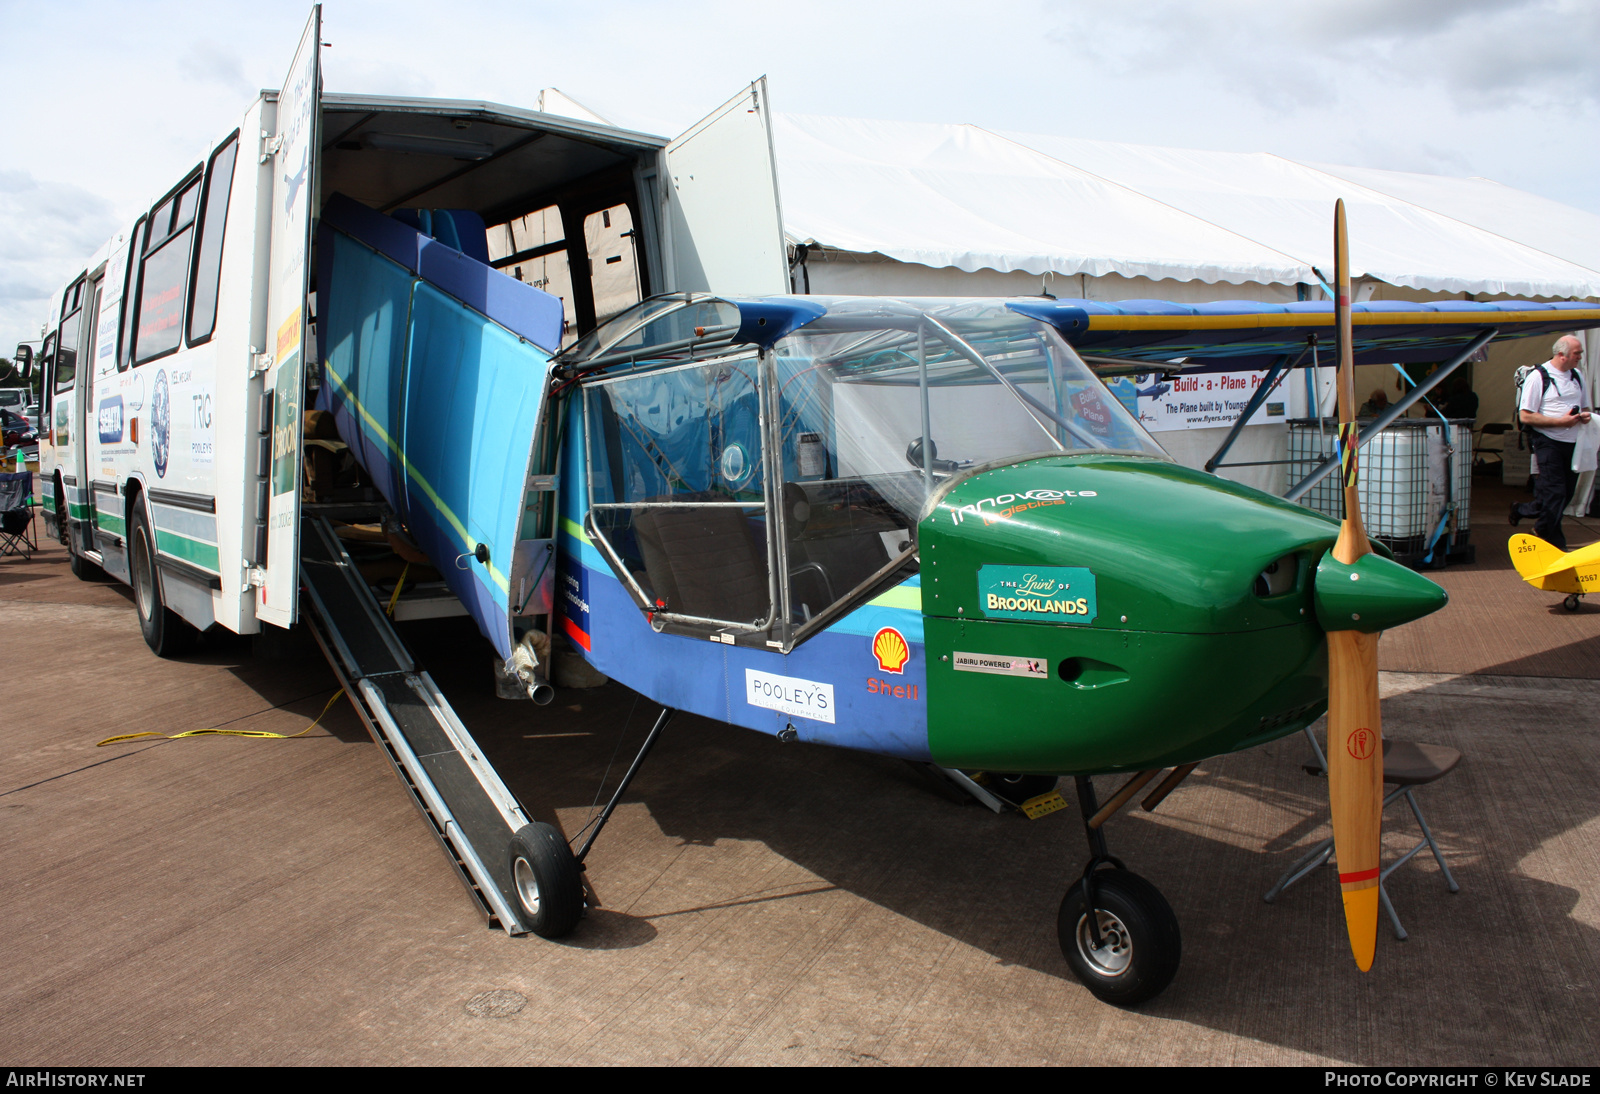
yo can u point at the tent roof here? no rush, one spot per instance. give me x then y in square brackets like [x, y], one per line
[962, 196]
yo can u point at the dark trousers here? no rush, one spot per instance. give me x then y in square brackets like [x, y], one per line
[1552, 489]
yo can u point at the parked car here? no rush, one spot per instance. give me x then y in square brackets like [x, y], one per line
[14, 398]
[16, 429]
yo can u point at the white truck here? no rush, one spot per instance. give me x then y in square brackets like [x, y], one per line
[176, 363]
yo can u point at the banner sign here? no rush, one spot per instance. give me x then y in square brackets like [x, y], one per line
[1199, 400]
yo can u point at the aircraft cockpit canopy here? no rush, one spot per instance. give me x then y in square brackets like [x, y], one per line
[713, 423]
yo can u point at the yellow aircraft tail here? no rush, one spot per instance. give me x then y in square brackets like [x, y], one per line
[1540, 564]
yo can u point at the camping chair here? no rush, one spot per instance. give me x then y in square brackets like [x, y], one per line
[17, 536]
[1482, 451]
[1406, 766]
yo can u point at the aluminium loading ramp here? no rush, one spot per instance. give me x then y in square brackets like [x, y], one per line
[470, 811]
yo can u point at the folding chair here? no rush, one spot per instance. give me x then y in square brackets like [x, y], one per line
[1406, 766]
[17, 536]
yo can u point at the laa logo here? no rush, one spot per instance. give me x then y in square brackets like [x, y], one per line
[890, 648]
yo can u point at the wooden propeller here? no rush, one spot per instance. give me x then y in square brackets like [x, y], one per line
[1355, 734]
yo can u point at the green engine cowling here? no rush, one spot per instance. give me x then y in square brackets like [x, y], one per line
[1105, 612]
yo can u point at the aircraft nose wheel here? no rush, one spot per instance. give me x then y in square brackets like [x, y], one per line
[1116, 930]
[1140, 945]
[544, 877]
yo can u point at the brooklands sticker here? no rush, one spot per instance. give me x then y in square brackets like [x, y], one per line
[1036, 667]
[1009, 506]
[1039, 594]
[789, 695]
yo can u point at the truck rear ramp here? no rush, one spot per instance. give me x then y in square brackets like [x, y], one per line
[470, 811]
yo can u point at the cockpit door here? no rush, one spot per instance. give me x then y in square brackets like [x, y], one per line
[724, 221]
[293, 150]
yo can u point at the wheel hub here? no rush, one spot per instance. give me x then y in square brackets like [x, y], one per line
[1116, 947]
[527, 885]
[144, 578]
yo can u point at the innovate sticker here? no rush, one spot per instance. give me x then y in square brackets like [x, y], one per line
[1038, 594]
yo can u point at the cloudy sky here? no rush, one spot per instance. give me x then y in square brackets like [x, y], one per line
[106, 104]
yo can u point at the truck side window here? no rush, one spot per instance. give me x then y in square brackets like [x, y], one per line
[163, 275]
[67, 343]
[130, 285]
[208, 251]
[47, 385]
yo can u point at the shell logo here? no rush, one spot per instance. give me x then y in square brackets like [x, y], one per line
[889, 647]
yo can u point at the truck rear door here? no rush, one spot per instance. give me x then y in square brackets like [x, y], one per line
[722, 211]
[293, 149]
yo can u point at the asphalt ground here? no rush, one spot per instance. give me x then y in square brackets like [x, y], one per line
[225, 900]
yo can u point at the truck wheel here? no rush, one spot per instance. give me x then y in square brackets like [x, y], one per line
[165, 632]
[544, 876]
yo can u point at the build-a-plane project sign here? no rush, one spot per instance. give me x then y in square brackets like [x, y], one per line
[1198, 401]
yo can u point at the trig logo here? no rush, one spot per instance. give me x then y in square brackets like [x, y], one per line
[890, 648]
[1360, 743]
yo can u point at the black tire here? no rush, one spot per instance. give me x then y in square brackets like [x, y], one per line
[545, 880]
[1141, 945]
[63, 533]
[1017, 789]
[82, 568]
[165, 632]
[1571, 603]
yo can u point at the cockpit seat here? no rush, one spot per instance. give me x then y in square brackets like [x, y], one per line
[459, 228]
[701, 560]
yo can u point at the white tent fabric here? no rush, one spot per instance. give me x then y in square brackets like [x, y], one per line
[956, 195]
[961, 196]
[1550, 226]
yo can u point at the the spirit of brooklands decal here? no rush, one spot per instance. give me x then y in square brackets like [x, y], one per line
[1055, 594]
[789, 695]
[1008, 506]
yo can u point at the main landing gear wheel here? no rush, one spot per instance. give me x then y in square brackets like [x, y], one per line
[544, 876]
[1571, 603]
[1139, 941]
[165, 632]
[1019, 788]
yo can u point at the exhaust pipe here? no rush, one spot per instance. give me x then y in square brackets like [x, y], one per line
[529, 663]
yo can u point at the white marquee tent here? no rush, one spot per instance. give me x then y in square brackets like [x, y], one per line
[878, 207]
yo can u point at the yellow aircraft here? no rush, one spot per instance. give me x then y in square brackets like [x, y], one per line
[1548, 567]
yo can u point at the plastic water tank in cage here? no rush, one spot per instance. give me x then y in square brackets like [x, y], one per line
[1415, 474]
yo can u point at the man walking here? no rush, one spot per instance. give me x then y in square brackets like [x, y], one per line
[1556, 406]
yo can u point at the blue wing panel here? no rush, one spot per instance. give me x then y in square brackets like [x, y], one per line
[438, 396]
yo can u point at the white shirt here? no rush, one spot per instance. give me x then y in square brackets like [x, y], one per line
[1561, 394]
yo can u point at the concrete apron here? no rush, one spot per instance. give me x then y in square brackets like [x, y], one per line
[227, 900]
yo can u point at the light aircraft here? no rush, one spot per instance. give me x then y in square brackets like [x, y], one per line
[921, 528]
[1546, 566]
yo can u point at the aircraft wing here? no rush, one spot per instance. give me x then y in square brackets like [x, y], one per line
[1235, 335]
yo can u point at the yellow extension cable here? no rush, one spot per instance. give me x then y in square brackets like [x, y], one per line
[226, 732]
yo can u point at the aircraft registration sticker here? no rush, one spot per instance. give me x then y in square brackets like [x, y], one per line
[789, 695]
[1036, 667]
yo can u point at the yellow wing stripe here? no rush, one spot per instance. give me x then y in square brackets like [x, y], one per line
[1574, 316]
[345, 393]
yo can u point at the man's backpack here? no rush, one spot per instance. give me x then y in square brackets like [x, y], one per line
[1522, 375]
